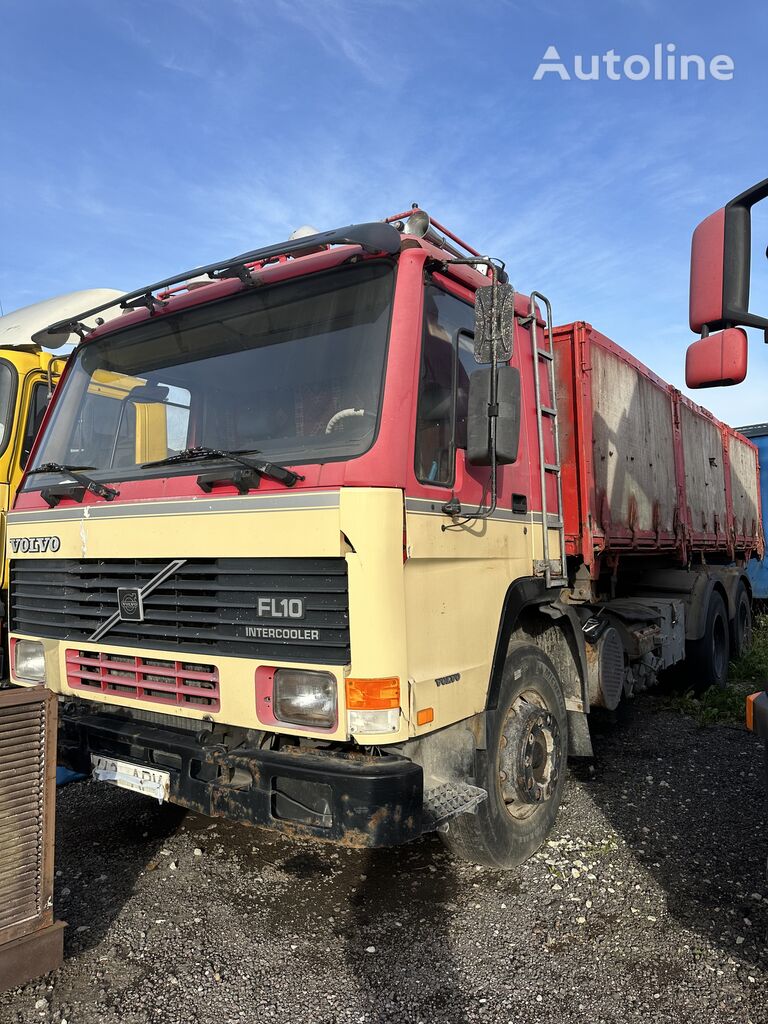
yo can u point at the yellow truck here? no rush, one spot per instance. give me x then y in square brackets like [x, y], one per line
[342, 537]
[28, 374]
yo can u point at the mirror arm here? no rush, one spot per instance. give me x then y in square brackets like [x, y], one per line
[496, 266]
[498, 274]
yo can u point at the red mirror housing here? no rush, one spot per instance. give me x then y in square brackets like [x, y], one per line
[717, 359]
[720, 266]
[707, 267]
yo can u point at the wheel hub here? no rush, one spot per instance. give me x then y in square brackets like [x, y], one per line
[530, 759]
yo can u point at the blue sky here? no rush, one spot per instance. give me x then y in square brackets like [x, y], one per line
[148, 136]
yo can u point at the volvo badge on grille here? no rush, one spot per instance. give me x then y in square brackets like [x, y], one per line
[130, 604]
[130, 600]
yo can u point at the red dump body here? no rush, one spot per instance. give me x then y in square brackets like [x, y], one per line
[644, 468]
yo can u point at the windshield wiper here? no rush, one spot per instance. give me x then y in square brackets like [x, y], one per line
[267, 469]
[87, 482]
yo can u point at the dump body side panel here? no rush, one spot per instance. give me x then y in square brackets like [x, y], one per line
[745, 488]
[704, 476]
[644, 468]
[757, 570]
[633, 454]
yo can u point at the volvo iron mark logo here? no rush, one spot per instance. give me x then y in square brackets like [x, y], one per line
[130, 600]
[130, 604]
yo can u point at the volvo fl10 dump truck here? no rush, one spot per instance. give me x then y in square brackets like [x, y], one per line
[27, 377]
[721, 259]
[398, 536]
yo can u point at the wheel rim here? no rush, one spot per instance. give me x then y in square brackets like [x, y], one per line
[530, 759]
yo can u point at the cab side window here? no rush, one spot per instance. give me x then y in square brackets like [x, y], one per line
[447, 360]
[38, 403]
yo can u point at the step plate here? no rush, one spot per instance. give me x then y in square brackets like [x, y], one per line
[449, 799]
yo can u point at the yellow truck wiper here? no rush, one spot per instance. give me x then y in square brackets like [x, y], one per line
[87, 483]
[267, 469]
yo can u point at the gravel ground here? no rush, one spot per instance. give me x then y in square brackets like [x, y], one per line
[649, 903]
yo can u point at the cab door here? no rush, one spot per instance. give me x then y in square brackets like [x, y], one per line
[457, 571]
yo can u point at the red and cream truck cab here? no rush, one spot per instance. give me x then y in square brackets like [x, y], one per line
[343, 537]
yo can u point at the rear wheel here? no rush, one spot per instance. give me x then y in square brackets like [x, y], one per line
[708, 657]
[522, 769]
[741, 627]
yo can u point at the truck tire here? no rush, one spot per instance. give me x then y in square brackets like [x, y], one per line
[522, 768]
[741, 626]
[708, 657]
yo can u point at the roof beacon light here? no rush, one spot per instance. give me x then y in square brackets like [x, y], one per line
[304, 232]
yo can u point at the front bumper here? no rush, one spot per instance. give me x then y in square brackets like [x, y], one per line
[351, 798]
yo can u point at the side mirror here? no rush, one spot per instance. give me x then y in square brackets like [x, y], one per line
[500, 322]
[507, 422]
[148, 393]
[720, 266]
[718, 359]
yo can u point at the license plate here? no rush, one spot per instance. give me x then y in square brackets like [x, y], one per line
[137, 777]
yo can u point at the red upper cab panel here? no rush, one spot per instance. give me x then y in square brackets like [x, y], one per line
[385, 459]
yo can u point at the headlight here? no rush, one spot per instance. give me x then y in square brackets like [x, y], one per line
[305, 698]
[29, 660]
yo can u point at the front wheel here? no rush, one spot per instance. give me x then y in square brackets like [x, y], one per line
[522, 769]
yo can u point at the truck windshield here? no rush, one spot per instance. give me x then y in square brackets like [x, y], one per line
[293, 371]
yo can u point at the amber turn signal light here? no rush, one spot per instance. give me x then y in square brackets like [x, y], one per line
[373, 694]
[425, 716]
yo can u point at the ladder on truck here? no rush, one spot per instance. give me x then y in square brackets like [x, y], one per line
[553, 570]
